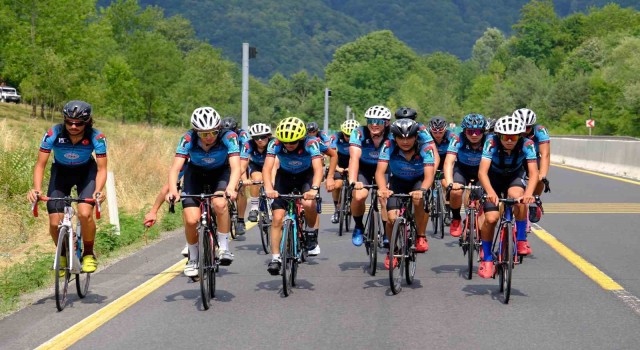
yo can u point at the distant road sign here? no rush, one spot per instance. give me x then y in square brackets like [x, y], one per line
[591, 123]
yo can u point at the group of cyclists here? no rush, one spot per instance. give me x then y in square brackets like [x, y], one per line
[508, 157]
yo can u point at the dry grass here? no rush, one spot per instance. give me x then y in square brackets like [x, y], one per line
[138, 155]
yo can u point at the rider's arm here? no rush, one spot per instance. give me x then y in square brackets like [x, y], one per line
[101, 176]
[178, 162]
[483, 176]
[354, 163]
[316, 163]
[38, 171]
[159, 199]
[449, 161]
[333, 162]
[533, 178]
[234, 178]
[380, 177]
[436, 157]
[545, 158]
[267, 169]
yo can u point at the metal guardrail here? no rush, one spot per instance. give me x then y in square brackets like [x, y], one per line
[596, 137]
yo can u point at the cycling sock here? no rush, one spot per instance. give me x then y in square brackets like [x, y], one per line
[384, 228]
[223, 240]
[521, 227]
[358, 220]
[254, 204]
[336, 203]
[88, 248]
[486, 249]
[455, 214]
[241, 220]
[275, 256]
[193, 251]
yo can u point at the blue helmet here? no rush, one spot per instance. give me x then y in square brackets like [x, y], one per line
[473, 121]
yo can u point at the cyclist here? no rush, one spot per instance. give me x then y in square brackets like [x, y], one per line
[423, 135]
[501, 174]
[540, 136]
[300, 169]
[214, 162]
[442, 138]
[365, 143]
[411, 168]
[340, 142]
[461, 164]
[491, 122]
[230, 123]
[324, 141]
[253, 154]
[72, 144]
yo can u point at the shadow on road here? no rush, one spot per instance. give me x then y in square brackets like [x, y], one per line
[276, 285]
[489, 289]
[251, 247]
[460, 270]
[72, 298]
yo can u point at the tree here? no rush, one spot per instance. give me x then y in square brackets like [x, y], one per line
[485, 47]
[537, 30]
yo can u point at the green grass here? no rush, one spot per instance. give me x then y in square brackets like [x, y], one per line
[35, 272]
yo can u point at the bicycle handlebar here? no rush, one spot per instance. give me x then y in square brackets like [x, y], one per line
[294, 196]
[34, 206]
[172, 201]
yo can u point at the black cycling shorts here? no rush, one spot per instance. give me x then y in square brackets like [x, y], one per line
[403, 187]
[63, 178]
[287, 183]
[198, 180]
[502, 183]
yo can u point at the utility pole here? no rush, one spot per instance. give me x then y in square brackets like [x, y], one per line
[327, 94]
[247, 53]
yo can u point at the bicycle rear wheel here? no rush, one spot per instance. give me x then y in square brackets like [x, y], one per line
[372, 242]
[396, 252]
[441, 212]
[471, 242]
[62, 282]
[347, 218]
[410, 254]
[233, 220]
[286, 257]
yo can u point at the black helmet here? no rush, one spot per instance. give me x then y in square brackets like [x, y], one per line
[404, 128]
[77, 110]
[229, 123]
[312, 127]
[437, 123]
[406, 112]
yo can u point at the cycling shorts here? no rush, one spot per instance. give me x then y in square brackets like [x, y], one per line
[64, 178]
[197, 180]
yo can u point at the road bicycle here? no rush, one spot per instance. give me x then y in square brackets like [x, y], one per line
[70, 247]
[402, 247]
[374, 229]
[345, 205]
[470, 240]
[264, 216]
[437, 205]
[208, 262]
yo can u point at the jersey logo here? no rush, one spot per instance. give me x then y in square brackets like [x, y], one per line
[542, 130]
[62, 140]
[530, 146]
[71, 156]
[208, 160]
[86, 142]
[186, 139]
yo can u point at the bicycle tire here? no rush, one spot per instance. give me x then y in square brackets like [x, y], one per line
[295, 253]
[508, 268]
[410, 253]
[343, 210]
[441, 212]
[82, 281]
[265, 228]
[233, 220]
[372, 238]
[396, 250]
[471, 241]
[61, 287]
[347, 218]
[436, 215]
[286, 259]
[204, 266]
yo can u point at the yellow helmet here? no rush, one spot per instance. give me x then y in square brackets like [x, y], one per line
[290, 129]
[348, 126]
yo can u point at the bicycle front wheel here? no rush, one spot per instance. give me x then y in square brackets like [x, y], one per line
[204, 266]
[471, 242]
[397, 249]
[372, 241]
[265, 234]
[410, 254]
[441, 213]
[343, 210]
[62, 273]
[287, 259]
[508, 260]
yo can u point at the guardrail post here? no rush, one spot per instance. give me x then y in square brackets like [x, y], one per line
[114, 218]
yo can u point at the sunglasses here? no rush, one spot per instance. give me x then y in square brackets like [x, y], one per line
[376, 121]
[205, 134]
[291, 143]
[509, 137]
[258, 138]
[474, 132]
[438, 130]
[79, 123]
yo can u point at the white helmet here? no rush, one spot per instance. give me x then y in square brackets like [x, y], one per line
[259, 129]
[378, 112]
[527, 115]
[205, 118]
[510, 125]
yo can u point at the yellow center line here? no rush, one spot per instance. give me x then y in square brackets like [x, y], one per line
[102, 316]
[597, 174]
[583, 265]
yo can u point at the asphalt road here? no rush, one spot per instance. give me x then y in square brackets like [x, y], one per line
[339, 305]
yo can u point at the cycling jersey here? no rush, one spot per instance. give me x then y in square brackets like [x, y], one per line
[339, 143]
[444, 144]
[423, 135]
[324, 147]
[324, 138]
[69, 154]
[251, 153]
[400, 167]
[225, 146]
[361, 138]
[539, 134]
[297, 160]
[465, 154]
[503, 163]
